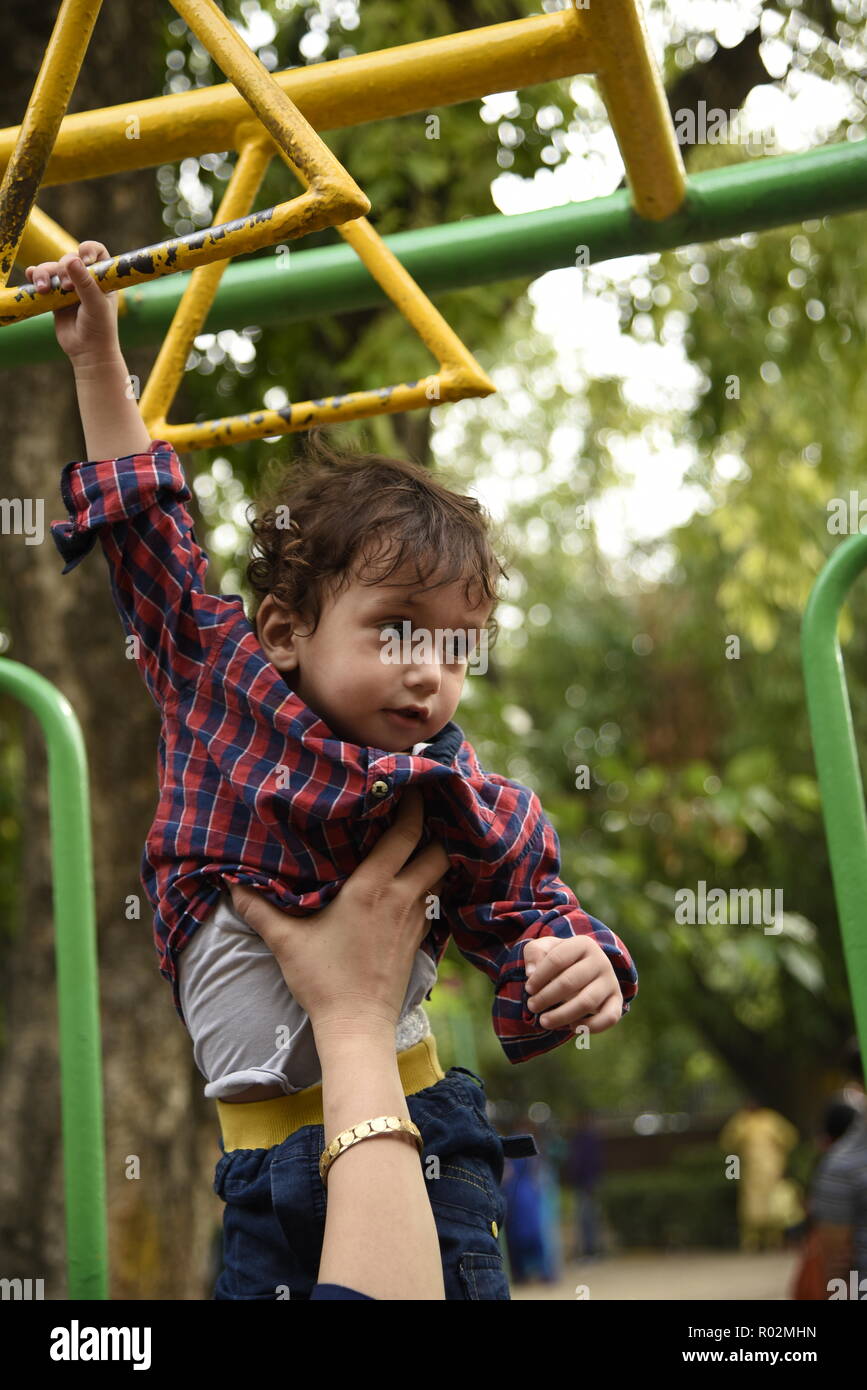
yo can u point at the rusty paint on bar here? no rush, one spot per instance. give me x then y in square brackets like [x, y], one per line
[307, 213]
[459, 374]
[330, 196]
[612, 44]
[383, 400]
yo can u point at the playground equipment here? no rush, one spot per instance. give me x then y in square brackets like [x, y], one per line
[77, 991]
[750, 197]
[609, 41]
[836, 753]
[262, 115]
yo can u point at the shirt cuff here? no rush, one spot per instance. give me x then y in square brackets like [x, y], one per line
[107, 491]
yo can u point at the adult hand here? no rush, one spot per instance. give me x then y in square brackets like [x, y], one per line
[349, 964]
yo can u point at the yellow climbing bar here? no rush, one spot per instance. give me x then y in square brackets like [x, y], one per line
[459, 374]
[272, 125]
[635, 97]
[255, 115]
[423, 76]
[34, 138]
[330, 196]
[607, 38]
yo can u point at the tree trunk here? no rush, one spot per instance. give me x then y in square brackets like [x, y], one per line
[161, 1223]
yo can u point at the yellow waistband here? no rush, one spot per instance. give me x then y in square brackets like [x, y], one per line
[260, 1124]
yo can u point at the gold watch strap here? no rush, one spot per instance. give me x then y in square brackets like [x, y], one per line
[383, 1124]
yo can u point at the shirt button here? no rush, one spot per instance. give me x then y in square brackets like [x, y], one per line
[495, 1230]
[379, 788]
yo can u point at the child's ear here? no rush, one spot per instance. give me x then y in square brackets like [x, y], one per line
[276, 628]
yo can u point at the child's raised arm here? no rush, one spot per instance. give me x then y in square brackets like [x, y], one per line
[130, 495]
[87, 333]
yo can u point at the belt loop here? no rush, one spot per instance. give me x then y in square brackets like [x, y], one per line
[519, 1146]
[466, 1072]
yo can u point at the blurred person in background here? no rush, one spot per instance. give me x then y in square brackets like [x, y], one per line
[838, 1199]
[762, 1139]
[532, 1214]
[584, 1166]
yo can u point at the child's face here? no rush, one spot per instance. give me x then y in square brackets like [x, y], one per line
[345, 670]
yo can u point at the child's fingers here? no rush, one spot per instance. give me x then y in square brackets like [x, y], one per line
[536, 953]
[53, 274]
[42, 273]
[578, 1011]
[76, 276]
[91, 251]
[565, 985]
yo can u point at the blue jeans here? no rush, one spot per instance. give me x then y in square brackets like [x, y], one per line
[274, 1219]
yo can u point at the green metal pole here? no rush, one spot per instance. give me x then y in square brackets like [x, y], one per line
[291, 285]
[77, 991]
[836, 754]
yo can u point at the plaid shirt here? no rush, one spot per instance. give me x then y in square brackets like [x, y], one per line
[255, 789]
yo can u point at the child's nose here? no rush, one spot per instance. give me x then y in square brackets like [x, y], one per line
[424, 676]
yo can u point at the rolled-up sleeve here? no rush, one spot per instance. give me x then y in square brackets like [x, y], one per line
[532, 902]
[135, 506]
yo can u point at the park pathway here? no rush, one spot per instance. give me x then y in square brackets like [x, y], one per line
[714, 1275]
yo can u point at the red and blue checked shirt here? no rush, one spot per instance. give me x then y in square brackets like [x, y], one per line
[255, 789]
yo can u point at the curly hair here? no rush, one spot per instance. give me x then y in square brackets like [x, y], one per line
[332, 511]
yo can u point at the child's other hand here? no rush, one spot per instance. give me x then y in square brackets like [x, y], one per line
[86, 330]
[574, 973]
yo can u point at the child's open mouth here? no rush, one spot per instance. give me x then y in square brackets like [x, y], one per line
[408, 715]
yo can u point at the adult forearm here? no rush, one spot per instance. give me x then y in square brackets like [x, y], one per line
[380, 1235]
[112, 423]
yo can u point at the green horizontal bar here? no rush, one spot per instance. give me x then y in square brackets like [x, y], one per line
[836, 754]
[286, 285]
[77, 987]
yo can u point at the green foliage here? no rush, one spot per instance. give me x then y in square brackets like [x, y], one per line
[686, 1203]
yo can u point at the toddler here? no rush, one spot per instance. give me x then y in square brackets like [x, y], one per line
[285, 745]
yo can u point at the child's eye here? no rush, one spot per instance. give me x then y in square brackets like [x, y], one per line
[458, 648]
[394, 627]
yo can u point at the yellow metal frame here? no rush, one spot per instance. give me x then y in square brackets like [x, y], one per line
[608, 40]
[459, 374]
[330, 195]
